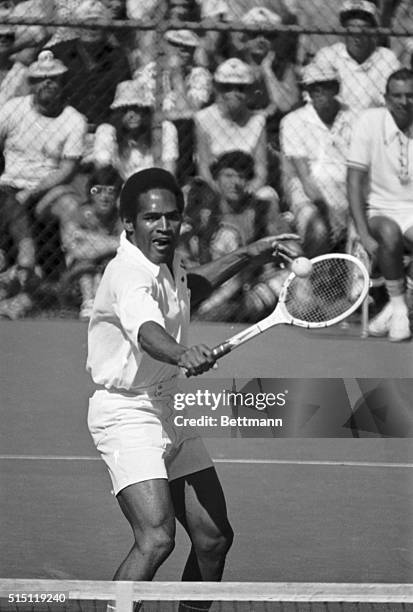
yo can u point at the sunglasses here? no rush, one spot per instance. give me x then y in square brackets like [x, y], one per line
[99, 189]
[234, 87]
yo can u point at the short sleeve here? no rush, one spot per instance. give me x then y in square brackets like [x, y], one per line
[169, 142]
[360, 144]
[75, 142]
[136, 304]
[10, 114]
[292, 144]
[104, 147]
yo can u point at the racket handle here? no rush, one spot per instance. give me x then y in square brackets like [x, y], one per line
[221, 350]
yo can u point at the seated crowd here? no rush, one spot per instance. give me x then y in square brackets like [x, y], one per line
[262, 135]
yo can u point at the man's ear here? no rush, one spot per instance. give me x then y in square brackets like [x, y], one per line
[128, 225]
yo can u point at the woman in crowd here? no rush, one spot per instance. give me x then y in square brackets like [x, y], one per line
[127, 143]
[229, 124]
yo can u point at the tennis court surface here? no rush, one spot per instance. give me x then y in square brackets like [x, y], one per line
[304, 510]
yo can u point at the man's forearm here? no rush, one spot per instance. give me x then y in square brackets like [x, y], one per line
[355, 182]
[55, 178]
[217, 272]
[155, 341]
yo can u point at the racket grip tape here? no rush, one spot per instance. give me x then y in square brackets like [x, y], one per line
[221, 350]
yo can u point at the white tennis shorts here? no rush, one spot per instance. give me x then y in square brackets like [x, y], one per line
[138, 440]
[403, 217]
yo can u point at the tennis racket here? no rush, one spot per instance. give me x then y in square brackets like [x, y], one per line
[337, 287]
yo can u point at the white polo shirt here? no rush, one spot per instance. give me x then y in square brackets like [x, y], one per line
[361, 85]
[379, 147]
[133, 291]
[305, 136]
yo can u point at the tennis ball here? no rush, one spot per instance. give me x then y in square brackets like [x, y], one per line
[301, 266]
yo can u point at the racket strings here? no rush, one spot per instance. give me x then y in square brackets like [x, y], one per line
[332, 289]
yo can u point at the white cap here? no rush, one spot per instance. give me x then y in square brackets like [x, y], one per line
[261, 16]
[359, 6]
[46, 66]
[317, 73]
[90, 10]
[186, 38]
[133, 93]
[234, 70]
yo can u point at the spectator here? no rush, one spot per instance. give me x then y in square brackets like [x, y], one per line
[30, 39]
[19, 46]
[399, 17]
[363, 67]
[188, 88]
[126, 142]
[219, 222]
[229, 124]
[96, 235]
[42, 141]
[382, 149]
[271, 58]
[13, 75]
[315, 141]
[96, 64]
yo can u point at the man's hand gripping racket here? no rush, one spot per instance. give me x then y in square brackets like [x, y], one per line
[335, 287]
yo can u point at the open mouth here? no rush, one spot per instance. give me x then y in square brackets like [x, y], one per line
[162, 244]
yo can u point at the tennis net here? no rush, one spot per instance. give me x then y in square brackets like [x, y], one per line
[91, 596]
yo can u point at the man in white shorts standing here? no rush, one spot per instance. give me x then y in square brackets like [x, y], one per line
[381, 155]
[136, 346]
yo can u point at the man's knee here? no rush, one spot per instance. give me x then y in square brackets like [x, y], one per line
[214, 544]
[388, 233]
[155, 542]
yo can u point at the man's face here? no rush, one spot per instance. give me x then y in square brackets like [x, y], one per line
[323, 95]
[157, 225]
[133, 118]
[103, 198]
[258, 45]
[399, 100]
[231, 184]
[233, 95]
[47, 90]
[359, 46]
[116, 7]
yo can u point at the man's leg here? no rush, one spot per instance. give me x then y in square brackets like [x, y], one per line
[148, 508]
[313, 230]
[394, 317]
[200, 506]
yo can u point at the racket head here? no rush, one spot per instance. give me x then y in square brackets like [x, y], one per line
[336, 287]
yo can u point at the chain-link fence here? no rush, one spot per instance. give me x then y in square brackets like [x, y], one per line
[249, 103]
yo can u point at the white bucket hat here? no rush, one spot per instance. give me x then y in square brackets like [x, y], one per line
[46, 66]
[317, 73]
[234, 70]
[359, 6]
[133, 93]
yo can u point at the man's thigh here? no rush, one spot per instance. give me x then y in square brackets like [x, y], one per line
[200, 504]
[148, 505]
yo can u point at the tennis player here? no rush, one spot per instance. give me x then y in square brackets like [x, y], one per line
[137, 344]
